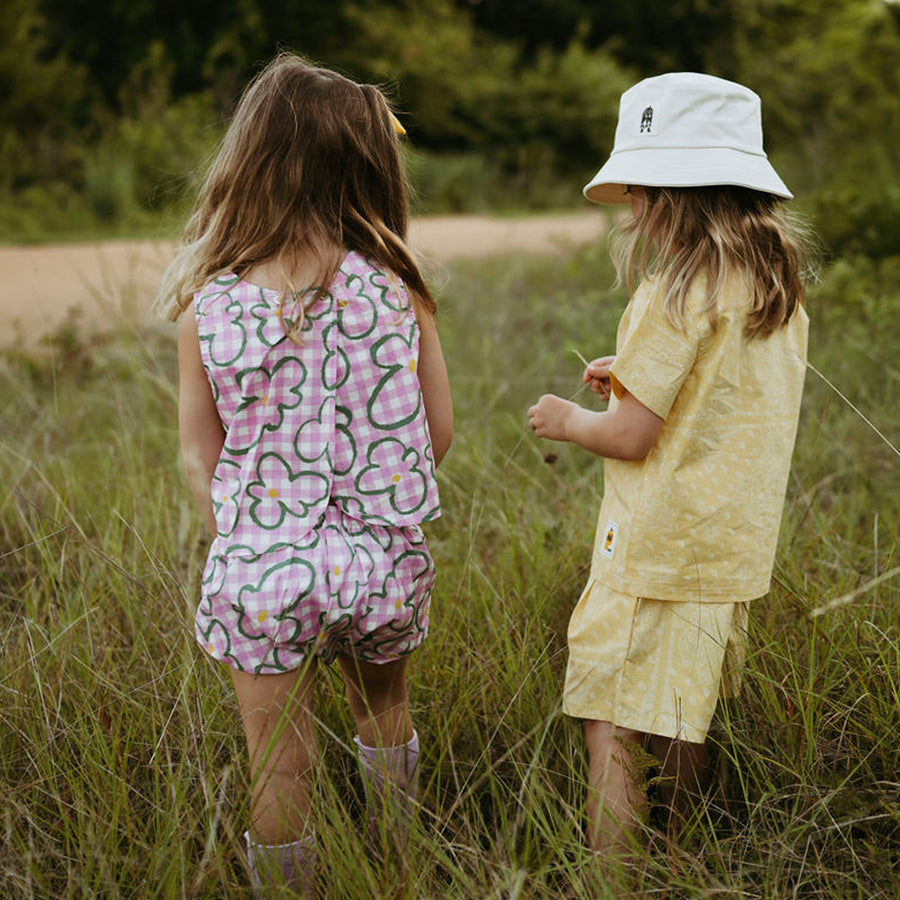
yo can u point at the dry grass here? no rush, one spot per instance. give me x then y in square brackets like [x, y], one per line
[121, 763]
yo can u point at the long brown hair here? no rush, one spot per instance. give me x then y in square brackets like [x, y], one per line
[685, 232]
[310, 164]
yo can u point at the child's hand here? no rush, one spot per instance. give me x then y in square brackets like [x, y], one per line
[548, 417]
[597, 376]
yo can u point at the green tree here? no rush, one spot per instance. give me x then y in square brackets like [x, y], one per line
[650, 36]
[443, 70]
[202, 38]
[830, 80]
[42, 101]
[466, 89]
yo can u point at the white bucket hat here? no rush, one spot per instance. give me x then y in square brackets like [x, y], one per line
[684, 129]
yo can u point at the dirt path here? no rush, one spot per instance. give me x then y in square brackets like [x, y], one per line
[97, 283]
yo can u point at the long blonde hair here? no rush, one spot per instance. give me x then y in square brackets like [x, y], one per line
[685, 232]
[308, 166]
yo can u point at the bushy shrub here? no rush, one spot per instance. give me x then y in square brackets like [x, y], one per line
[861, 216]
[474, 183]
[150, 162]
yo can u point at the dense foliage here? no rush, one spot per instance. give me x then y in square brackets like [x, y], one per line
[108, 108]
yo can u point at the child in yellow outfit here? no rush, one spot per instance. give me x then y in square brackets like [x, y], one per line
[704, 394]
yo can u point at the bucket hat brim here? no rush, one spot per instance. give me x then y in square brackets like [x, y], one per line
[679, 167]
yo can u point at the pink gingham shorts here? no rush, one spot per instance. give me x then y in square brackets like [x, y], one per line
[349, 587]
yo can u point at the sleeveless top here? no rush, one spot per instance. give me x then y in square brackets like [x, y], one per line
[337, 419]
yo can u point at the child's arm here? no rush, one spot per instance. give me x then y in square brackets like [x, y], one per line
[626, 432]
[435, 387]
[199, 425]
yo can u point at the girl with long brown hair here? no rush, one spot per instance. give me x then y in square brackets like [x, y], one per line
[314, 408]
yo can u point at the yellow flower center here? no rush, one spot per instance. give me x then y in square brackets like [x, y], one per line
[396, 479]
[273, 493]
[412, 365]
[263, 616]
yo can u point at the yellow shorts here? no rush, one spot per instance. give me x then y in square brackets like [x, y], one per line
[654, 666]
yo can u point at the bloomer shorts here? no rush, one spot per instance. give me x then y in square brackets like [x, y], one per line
[349, 587]
[654, 666]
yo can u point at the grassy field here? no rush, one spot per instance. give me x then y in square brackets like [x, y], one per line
[121, 762]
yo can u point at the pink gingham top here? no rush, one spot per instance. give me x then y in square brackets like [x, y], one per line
[337, 420]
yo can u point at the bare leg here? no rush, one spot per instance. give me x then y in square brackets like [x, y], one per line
[378, 700]
[277, 717]
[685, 779]
[387, 745]
[616, 805]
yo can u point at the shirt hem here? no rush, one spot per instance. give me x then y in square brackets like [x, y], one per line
[680, 593]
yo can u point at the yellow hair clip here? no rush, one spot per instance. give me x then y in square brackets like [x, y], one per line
[396, 123]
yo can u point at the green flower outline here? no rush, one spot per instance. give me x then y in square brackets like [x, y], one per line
[393, 368]
[403, 462]
[280, 407]
[285, 475]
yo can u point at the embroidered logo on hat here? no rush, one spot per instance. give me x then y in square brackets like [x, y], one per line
[647, 120]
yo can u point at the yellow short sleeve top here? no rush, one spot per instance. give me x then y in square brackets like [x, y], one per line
[698, 518]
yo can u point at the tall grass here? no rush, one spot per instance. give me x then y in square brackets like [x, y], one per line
[122, 765]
